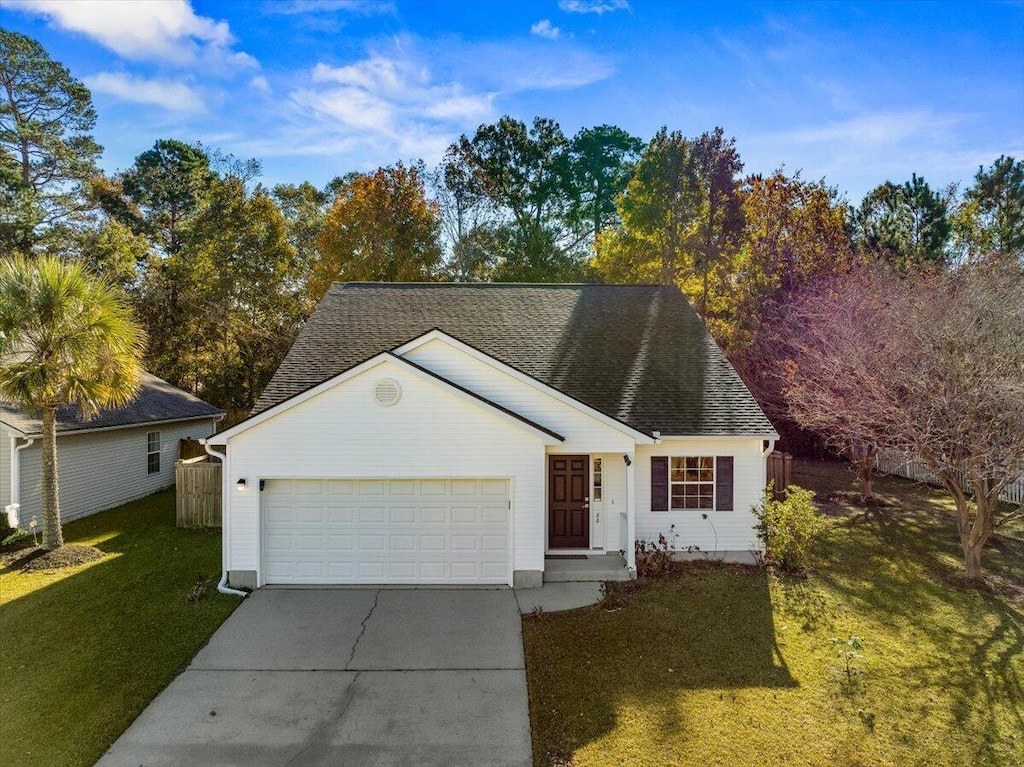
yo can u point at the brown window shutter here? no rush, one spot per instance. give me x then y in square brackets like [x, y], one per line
[723, 482]
[659, 483]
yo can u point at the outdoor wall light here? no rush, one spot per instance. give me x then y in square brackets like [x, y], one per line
[241, 483]
[626, 459]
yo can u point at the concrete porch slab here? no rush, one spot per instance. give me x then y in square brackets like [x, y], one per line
[604, 567]
[555, 597]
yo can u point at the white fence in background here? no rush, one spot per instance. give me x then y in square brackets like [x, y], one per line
[911, 467]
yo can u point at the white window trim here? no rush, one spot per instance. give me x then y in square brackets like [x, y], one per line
[594, 472]
[713, 482]
[157, 452]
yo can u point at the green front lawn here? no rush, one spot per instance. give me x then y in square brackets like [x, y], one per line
[83, 650]
[733, 666]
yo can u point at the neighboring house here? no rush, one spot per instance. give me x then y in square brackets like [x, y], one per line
[452, 433]
[121, 454]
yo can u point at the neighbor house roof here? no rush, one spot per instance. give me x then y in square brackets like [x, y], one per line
[156, 401]
[637, 353]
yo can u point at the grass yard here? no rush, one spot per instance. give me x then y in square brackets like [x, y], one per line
[84, 649]
[734, 666]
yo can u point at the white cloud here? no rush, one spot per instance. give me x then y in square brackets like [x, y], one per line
[171, 95]
[593, 6]
[389, 96]
[164, 30]
[876, 129]
[411, 98]
[544, 28]
[260, 83]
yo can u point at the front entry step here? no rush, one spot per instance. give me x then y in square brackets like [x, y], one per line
[587, 569]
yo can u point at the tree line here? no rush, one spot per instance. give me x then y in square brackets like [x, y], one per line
[894, 323]
[223, 269]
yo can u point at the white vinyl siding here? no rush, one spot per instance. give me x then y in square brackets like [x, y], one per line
[426, 531]
[720, 531]
[102, 469]
[583, 433]
[431, 432]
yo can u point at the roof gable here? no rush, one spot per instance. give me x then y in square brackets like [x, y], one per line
[547, 435]
[408, 350]
[636, 353]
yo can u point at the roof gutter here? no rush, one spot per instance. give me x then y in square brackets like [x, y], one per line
[138, 425]
[225, 521]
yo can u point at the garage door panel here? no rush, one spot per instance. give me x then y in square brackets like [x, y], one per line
[402, 514]
[386, 531]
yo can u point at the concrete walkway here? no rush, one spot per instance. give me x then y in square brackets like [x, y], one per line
[555, 597]
[347, 677]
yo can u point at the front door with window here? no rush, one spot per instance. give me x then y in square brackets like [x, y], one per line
[569, 501]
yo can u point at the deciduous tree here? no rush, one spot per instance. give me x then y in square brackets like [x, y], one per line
[931, 364]
[519, 172]
[682, 223]
[381, 227]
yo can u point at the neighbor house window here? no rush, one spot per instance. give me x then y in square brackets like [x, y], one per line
[153, 452]
[598, 479]
[692, 483]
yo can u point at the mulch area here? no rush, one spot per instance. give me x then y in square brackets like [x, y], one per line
[38, 559]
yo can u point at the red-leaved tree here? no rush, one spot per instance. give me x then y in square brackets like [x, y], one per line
[931, 363]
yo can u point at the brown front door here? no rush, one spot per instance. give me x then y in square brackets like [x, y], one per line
[569, 501]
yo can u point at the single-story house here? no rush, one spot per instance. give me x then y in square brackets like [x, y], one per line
[475, 433]
[121, 454]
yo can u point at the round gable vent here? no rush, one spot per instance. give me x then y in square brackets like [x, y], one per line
[386, 392]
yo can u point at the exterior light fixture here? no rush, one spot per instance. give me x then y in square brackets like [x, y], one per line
[626, 459]
[241, 483]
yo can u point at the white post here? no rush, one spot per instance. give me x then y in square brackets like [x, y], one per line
[630, 460]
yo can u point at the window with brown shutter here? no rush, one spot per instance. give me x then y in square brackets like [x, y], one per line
[724, 483]
[659, 483]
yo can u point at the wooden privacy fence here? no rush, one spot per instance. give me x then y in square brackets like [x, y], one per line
[190, 448]
[911, 467]
[198, 487]
[780, 473]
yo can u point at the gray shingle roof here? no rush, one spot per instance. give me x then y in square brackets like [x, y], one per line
[637, 353]
[156, 401]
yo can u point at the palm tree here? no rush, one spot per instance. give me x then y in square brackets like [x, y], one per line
[66, 338]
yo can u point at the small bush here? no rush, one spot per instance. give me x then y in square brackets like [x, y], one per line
[656, 559]
[789, 528]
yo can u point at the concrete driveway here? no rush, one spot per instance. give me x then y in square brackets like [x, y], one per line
[347, 677]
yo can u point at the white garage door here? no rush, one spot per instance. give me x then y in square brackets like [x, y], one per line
[386, 531]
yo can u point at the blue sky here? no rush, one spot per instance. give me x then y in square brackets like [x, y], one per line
[854, 92]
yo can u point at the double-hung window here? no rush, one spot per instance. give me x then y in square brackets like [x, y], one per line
[153, 452]
[692, 482]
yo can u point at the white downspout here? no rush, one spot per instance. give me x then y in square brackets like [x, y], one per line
[16, 475]
[225, 518]
[764, 462]
[630, 460]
